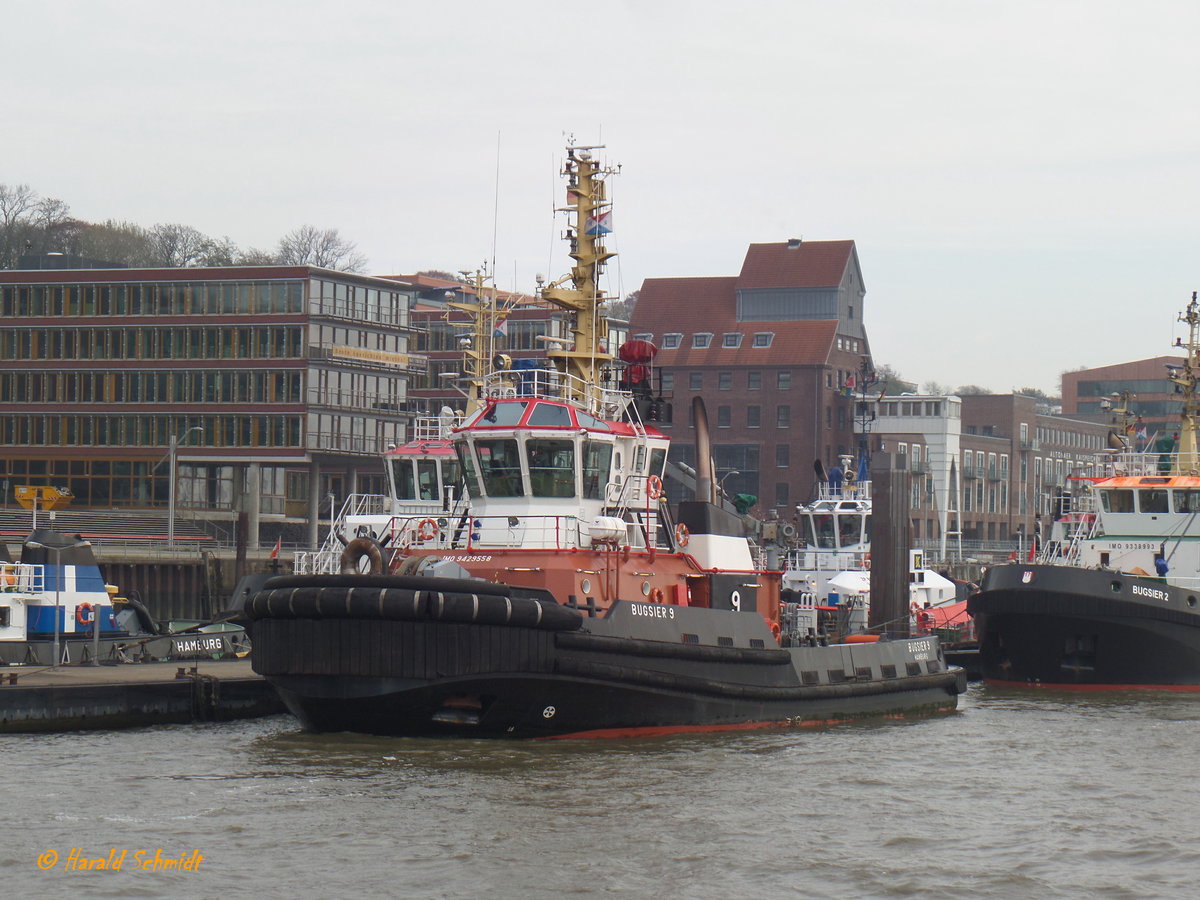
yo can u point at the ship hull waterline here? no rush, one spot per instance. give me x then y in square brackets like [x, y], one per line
[1061, 627]
[388, 658]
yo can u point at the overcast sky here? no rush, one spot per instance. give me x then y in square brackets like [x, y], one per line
[1022, 179]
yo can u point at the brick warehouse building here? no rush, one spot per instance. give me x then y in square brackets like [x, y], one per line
[773, 351]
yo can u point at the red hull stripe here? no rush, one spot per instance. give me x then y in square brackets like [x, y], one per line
[1181, 688]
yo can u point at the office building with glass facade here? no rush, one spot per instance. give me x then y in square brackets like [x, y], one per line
[278, 386]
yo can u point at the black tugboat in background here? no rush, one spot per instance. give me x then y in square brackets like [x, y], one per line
[556, 593]
[1113, 600]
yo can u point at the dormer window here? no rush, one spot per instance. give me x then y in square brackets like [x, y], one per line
[732, 340]
[672, 341]
[644, 336]
[763, 338]
[701, 340]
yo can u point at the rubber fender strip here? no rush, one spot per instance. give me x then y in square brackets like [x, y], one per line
[693, 685]
[668, 650]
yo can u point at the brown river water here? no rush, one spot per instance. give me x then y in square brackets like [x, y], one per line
[1017, 795]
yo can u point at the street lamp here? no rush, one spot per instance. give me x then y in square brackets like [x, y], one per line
[171, 453]
[721, 483]
[58, 576]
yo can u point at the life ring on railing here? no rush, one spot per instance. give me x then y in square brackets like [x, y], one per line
[682, 535]
[654, 488]
[85, 614]
[866, 563]
[10, 576]
[657, 596]
[427, 530]
[775, 630]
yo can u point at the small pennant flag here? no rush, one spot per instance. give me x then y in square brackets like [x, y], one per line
[501, 329]
[278, 547]
[601, 224]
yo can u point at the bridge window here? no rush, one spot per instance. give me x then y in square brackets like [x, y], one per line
[500, 466]
[1187, 501]
[550, 415]
[1117, 501]
[597, 460]
[1152, 501]
[402, 471]
[551, 468]
[427, 479]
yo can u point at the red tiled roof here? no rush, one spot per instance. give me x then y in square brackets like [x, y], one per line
[793, 264]
[690, 305]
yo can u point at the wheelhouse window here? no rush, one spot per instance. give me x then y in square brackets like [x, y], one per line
[551, 467]
[1152, 501]
[402, 475]
[1187, 501]
[467, 462]
[597, 462]
[508, 413]
[427, 479]
[1117, 501]
[500, 466]
[550, 415]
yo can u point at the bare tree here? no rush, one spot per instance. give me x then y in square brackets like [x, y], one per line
[309, 246]
[119, 242]
[176, 246]
[17, 202]
[623, 309]
[888, 381]
[971, 390]
[256, 257]
[218, 252]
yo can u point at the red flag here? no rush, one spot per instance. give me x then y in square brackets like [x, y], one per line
[1032, 550]
[278, 546]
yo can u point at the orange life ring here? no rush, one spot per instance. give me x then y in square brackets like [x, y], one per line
[427, 530]
[866, 562]
[657, 596]
[84, 614]
[914, 608]
[775, 630]
[682, 535]
[10, 576]
[654, 488]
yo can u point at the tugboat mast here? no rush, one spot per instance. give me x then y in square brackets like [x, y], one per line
[586, 198]
[1187, 461]
[476, 346]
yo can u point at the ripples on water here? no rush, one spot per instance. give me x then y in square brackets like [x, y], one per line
[1017, 795]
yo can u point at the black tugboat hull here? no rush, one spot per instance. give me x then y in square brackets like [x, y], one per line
[416, 660]
[1087, 629]
[552, 706]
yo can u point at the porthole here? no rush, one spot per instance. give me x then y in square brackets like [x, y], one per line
[585, 586]
[1191, 601]
[1116, 587]
[645, 589]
